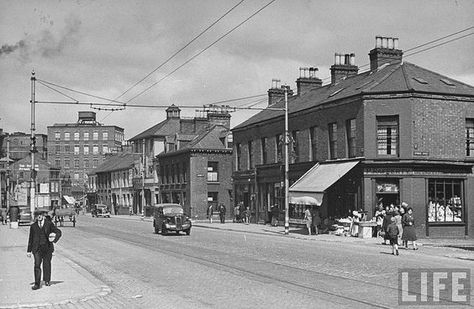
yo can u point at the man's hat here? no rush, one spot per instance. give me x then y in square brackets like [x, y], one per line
[39, 211]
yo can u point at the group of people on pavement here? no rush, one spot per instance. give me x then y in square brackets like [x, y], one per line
[396, 225]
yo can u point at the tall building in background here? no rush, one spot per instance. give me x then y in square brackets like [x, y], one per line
[20, 145]
[79, 147]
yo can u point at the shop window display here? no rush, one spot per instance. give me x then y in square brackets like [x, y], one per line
[445, 201]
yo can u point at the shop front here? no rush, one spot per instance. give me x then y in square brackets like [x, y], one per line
[440, 195]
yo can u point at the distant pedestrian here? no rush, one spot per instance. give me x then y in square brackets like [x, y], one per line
[247, 215]
[398, 222]
[4, 215]
[409, 232]
[222, 211]
[275, 214]
[130, 210]
[392, 231]
[43, 233]
[386, 222]
[308, 217]
[236, 213]
[210, 212]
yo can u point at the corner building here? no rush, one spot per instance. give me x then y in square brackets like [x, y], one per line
[396, 133]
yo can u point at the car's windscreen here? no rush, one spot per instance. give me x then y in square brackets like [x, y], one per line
[173, 211]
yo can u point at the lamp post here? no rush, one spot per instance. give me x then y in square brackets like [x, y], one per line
[287, 141]
[33, 145]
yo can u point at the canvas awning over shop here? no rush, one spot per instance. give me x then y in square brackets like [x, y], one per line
[69, 199]
[310, 188]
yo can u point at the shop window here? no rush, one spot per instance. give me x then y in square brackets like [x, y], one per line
[212, 172]
[470, 137]
[388, 192]
[351, 132]
[387, 135]
[332, 130]
[445, 201]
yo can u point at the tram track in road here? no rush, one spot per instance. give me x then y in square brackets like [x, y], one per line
[257, 269]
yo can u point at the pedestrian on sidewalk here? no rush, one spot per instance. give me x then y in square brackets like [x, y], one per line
[409, 232]
[210, 212]
[43, 233]
[392, 231]
[237, 214]
[308, 219]
[247, 215]
[222, 213]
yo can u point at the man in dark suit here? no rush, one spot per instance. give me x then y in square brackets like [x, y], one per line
[41, 245]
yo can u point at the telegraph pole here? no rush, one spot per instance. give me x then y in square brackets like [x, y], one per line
[8, 174]
[143, 179]
[33, 146]
[287, 141]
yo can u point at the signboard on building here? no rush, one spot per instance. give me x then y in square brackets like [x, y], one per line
[44, 188]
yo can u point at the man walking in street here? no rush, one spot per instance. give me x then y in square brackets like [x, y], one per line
[222, 212]
[210, 212]
[43, 233]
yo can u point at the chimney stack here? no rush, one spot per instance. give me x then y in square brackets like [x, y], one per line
[344, 66]
[307, 80]
[385, 51]
[277, 92]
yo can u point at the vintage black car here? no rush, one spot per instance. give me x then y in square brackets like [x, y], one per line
[170, 218]
[100, 210]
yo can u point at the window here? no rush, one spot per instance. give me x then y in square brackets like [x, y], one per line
[351, 132]
[387, 135]
[105, 136]
[105, 149]
[86, 163]
[57, 148]
[95, 162]
[312, 137]
[76, 176]
[294, 155]
[212, 199]
[57, 162]
[76, 163]
[279, 147]
[66, 163]
[95, 135]
[445, 201]
[67, 136]
[332, 129]
[238, 151]
[76, 149]
[76, 136]
[469, 137]
[86, 149]
[264, 150]
[212, 172]
[86, 136]
[95, 149]
[67, 149]
[57, 136]
[250, 152]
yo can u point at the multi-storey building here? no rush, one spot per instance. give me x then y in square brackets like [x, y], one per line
[79, 147]
[396, 133]
[20, 145]
[170, 135]
[113, 181]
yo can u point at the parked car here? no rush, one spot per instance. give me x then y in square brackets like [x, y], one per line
[170, 218]
[101, 210]
[24, 215]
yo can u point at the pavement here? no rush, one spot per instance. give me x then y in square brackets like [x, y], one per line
[71, 284]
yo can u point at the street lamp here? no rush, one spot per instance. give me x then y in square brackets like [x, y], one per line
[287, 141]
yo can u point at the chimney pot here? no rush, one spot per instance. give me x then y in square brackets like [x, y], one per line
[344, 66]
[386, 52]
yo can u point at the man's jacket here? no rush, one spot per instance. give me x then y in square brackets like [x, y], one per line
[35, 233]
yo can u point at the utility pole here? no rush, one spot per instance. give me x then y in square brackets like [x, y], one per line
[287, 141]
[33, 146]
[143, 179]
[8, 174]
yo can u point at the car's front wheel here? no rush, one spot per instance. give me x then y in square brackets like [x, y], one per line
[164, 231]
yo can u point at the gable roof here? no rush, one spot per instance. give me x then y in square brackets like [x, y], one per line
[396, 77]
[164, 128]
[117, 162]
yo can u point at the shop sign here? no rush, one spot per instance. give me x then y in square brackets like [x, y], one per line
[421, 153]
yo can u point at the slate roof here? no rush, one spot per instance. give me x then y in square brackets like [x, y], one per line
[117, 162]
[389, 78]
[164, 128]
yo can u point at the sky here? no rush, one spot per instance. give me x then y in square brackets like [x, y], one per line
[104, 47]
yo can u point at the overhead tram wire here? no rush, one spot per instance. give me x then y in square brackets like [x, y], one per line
[202, 51]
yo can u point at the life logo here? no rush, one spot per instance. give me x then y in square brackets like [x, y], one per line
[434, 286]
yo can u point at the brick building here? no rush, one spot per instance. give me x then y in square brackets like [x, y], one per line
[79, 147]
[20, 145]
[169, 141]
[396, 133]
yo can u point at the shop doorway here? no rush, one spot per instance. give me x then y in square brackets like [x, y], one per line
[387, 192]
